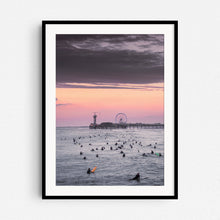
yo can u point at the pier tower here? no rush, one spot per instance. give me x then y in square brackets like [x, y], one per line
[94, 118]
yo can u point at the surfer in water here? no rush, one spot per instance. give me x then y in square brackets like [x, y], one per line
[91, 171]
[137, 177]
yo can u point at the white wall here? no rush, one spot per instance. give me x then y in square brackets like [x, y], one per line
[199, 109]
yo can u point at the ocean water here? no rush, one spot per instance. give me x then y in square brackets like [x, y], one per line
[112, 167]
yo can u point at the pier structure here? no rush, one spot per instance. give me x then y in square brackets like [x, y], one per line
[94, 124]
[121, 122]
[142, 125]
[94, 118]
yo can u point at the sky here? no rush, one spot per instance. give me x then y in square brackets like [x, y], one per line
[109, 74]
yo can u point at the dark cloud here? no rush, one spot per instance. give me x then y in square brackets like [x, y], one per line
[63, 104]
[109, 86]
[110, 58]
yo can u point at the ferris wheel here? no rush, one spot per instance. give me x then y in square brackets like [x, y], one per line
[121, 118]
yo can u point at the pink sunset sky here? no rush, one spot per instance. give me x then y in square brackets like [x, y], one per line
[109, 74]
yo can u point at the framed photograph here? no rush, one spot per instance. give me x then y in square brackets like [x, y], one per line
[110, 110]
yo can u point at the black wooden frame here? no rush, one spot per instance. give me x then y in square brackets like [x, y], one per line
[175, 23]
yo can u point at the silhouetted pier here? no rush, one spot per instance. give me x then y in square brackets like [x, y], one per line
[122, 123]
[141, 125]
[109, 125]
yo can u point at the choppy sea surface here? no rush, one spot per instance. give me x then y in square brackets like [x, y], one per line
[112, 167]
